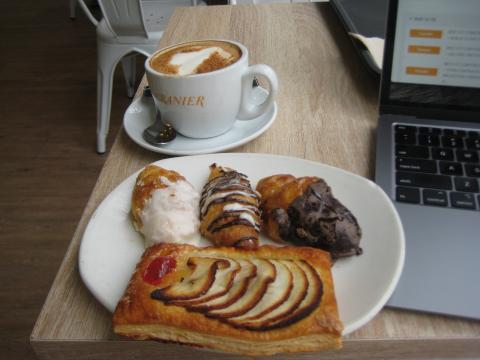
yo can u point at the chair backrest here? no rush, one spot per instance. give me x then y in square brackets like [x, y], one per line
[139, 18]
[124, 17]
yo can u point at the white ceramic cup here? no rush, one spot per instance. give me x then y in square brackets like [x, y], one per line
[208, 104]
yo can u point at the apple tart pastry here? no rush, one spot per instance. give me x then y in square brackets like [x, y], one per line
[229, 209]
[254, 302]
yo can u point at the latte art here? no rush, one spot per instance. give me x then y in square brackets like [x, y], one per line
[188, 63]
[195, 58]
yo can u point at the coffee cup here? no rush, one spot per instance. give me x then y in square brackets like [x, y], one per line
[202, 87]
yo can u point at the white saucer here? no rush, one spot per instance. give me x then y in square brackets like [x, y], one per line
[141, 114]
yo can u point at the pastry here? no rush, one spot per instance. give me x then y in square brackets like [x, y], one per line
[165, 207]
[253, 302]
[229, 213]
[304, 211]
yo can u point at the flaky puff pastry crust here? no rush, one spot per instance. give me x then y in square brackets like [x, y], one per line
[140, 316]
[230, 228]
[147, 181]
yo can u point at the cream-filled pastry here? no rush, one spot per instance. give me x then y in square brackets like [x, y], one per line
[165, 207]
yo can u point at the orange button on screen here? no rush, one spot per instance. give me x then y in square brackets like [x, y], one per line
[426, 33]
[422, 49]
[413, 70]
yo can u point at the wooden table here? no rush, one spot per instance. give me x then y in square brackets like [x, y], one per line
[327, 112]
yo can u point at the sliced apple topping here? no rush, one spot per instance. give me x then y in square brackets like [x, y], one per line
[221, 285]
[276, 293]
[309, 302]
[197, 283]
[299, 290]
[266, 273]
[256, 294]
[240, 284]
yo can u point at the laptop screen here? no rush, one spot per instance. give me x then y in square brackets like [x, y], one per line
[432, 54]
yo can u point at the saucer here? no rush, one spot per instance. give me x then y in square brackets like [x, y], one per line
[141, 114]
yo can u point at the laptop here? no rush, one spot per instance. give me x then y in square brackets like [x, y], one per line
[428, 150]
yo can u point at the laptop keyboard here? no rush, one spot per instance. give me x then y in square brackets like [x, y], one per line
[437, 166]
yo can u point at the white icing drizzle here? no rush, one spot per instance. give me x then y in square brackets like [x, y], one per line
[240, 207]
[250, 219]
[220, 195]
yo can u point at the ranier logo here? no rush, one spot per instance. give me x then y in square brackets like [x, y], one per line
[182, 100]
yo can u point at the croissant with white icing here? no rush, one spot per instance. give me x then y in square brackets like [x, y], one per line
[229, 209]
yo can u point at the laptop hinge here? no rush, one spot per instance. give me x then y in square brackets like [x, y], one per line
[431, 113]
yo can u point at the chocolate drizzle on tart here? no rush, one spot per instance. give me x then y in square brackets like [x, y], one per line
[229, 209]
[256, 294]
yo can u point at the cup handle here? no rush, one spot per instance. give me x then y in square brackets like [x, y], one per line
[248, 110]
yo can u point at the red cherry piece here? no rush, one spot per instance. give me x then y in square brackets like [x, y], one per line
[158, 268]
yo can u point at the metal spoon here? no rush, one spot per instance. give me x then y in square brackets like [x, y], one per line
[158, 133]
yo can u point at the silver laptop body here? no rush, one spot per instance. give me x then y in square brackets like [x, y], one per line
[429, 121]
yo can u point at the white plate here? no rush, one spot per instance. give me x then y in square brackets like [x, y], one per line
[141, 114]
[110, 247]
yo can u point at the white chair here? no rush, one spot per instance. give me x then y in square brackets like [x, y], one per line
[241, 2]
[128, 27]
[72, 5]
[83, 5]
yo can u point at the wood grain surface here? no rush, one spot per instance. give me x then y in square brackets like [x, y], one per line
[327, 112]
[49, 165]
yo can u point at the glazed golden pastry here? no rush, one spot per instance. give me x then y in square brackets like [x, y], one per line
[252, 302]
[165, 207]
[229, 209]
[304, 211]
